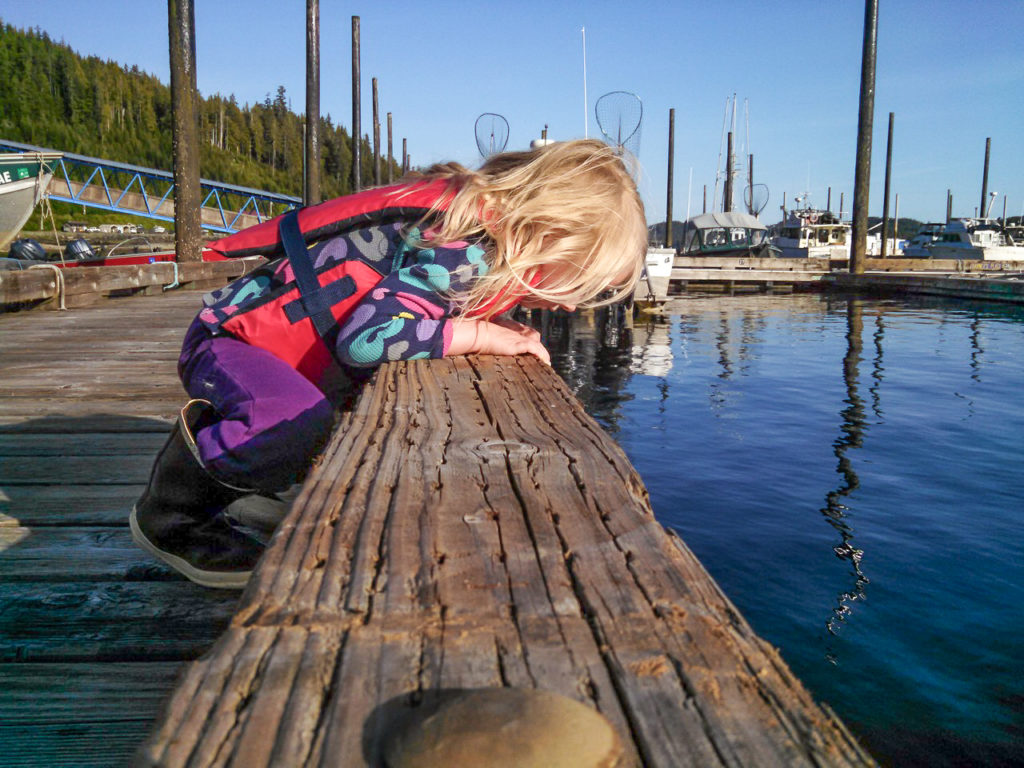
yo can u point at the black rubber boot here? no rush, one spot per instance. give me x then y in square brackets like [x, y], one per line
[179, 517]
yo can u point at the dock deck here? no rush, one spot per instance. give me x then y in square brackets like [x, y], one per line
[93, 631]
[469, 527]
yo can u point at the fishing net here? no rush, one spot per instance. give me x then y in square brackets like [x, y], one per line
[619, 115]
[756, 198]
[491, 134]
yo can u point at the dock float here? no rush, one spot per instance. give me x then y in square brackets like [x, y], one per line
[981, 286]
[470, 528]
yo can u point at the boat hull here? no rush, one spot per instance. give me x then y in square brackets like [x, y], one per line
[17, 201]
[983, 253]
[24, 177]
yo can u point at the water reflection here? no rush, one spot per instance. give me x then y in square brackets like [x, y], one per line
[593, 353]
[851, 436]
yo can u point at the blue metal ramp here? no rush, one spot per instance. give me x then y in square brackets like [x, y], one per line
[148, 192]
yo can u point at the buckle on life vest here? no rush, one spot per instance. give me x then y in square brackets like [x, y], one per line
[315, 301]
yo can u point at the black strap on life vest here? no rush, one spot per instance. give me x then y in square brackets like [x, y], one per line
[315, 301]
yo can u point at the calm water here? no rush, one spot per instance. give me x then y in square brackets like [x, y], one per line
[851, 472]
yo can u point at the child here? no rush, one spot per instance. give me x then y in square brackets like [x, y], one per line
[423, 269]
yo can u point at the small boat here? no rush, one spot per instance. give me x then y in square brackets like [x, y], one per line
[652, 288]
[982, 239]
[725, 234]
[813, 233]
[24, 177]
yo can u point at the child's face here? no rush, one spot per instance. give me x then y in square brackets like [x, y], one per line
[547, 277]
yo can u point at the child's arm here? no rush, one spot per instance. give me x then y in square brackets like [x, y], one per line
[490, 338]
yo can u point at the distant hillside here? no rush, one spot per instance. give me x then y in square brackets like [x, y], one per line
[52, 97]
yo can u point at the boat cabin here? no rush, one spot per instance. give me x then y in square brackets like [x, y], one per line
[720, 234]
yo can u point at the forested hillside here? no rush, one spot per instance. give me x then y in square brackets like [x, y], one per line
[52, 97]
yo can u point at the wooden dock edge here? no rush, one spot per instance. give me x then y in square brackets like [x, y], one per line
[982, 287]
[51, 287]
[468, 527]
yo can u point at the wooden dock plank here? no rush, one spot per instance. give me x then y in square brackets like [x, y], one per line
[469, 526]
[84, 621]
[89, 714]
[93, 632]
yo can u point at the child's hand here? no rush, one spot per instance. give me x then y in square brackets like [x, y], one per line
[490, 338]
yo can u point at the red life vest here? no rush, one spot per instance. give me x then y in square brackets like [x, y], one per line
[292, 323]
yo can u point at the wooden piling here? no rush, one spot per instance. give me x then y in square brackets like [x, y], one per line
[984, 178]
[181, 23]
[865, 123]
[311, 185]
[376, 135]
[671, 169]
[357, 162]
[885, 194]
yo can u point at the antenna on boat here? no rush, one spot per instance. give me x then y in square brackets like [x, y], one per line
[491, 134]
[619, 115]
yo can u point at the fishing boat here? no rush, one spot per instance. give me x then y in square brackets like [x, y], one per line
[725, 234]
[813, 233]
[24, 177]
[970, 238]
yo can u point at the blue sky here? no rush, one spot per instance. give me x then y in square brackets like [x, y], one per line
[952, 72]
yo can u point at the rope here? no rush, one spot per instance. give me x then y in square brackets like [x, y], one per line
[174, 284]
[59, 275]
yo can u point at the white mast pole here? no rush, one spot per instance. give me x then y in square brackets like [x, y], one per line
[586, 110]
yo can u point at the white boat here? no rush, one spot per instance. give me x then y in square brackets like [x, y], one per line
[725, 234]
[813, 233]
[24, 177]
[982, 239]
[652, 288]
[920, 245]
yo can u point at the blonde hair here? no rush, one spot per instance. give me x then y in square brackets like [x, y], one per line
[570, 207]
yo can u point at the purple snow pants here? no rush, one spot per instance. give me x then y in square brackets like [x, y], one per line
[271, 420]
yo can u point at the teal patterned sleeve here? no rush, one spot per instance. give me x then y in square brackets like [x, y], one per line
[407, 315]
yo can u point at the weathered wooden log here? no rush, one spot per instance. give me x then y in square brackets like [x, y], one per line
[79, 286]
[471, 527]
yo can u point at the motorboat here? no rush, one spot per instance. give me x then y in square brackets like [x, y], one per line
[920, 245]
[725, 234]
[813, 233]
[971, 238]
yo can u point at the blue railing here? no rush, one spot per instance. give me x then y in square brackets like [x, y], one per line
[147, 192]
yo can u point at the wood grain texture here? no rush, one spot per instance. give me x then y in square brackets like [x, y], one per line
[470, 526]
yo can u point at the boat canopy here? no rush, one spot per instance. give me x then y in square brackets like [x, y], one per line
[723, 232]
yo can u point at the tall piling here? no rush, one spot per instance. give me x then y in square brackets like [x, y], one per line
[357, 170]
[750, 185]
[949, 205]
[984, 177]
[727, 191]
[181, 25]
[391, 153]
[311, 187]
[865, 123]
[376, 135]
[671, 166]
[885, 195]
